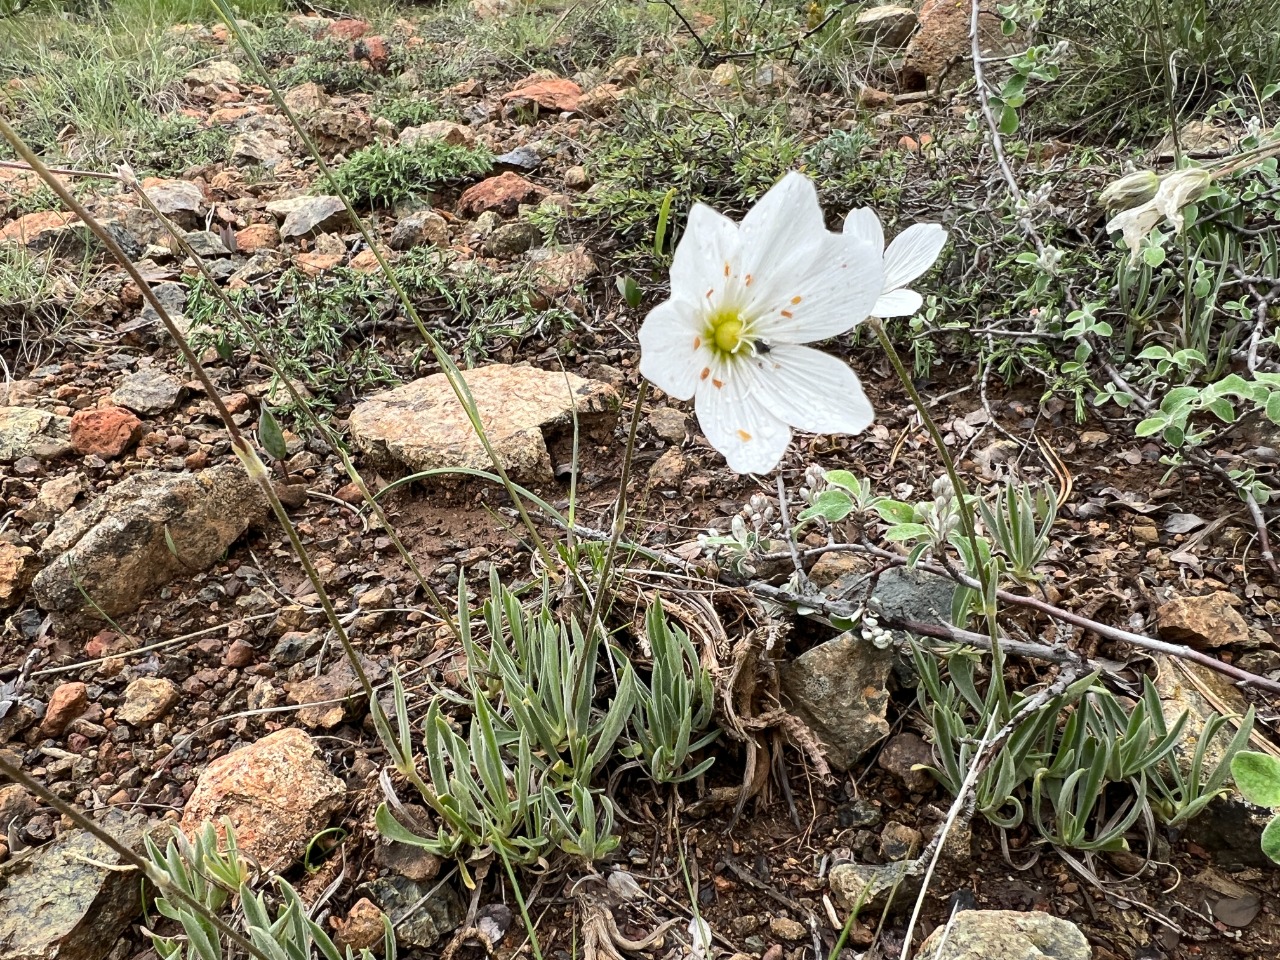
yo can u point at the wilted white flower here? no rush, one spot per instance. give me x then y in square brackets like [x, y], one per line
[744, 299]
[911, 253]
[1176, 190]
[1130, 190]
[699, 937]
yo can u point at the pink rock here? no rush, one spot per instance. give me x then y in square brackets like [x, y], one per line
[502, 194]
[68, 701]
[106, 432]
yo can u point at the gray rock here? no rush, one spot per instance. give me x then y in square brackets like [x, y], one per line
[870, 886]
[1230, 829]
[61, 900]
[117, 548]
[260, 146]
[149, 391]
[215, 72]
[512, 239]
[26, 432]
[524, 159]
[902, 755]
[443, 131]
[419, 228]
[887, 26]
[669, 424]
[423, 913]
[902, 594]
[422, 426]
[1006, 935]
[206, 244]
[307, 216]
[180, 200]
[838, 689]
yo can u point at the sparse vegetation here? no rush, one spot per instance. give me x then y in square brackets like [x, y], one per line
[379, 176]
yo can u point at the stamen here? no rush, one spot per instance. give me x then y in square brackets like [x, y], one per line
[706, 372]
[795, 300]
[718, 384]
[710, 292]
[697, 343]
[726, 268]
[788, 314]
[743, 435]
[747, 280]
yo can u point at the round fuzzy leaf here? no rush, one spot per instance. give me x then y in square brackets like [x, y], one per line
[1271, 839]
[1257, 777]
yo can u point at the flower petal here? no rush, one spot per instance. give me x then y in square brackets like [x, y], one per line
[810, 390]
[709, 242]
[863, 222]
[898, 303]
[741, 427]
[786, 217]
[911, 253]
[671, 356]
[823, 286]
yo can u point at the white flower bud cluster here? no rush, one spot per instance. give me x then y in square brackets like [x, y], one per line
[876, 635]
[815, 481]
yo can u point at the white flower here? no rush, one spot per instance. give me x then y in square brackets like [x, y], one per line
[1135, 223]
[699, 938]
[912, 252]
[744, 298]
[1178, 189]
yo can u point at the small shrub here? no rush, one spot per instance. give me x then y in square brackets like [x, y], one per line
[386, 176]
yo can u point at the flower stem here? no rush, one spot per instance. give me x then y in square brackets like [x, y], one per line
[982, 574]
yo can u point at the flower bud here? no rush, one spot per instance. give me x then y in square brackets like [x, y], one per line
[1180, 188]
[1130, 190]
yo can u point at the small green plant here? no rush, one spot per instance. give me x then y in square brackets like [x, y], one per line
[1257, 777]
[1020, 522]
[676, 704]
[381, 176]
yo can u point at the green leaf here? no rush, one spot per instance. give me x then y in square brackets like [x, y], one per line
[1271, 839]
[1155, 352]
[1222, 409]
[1153, 256]
[896, 511]
[1257, 776]
[1150, 427]
[1174, 435]
[1008, 120]
[831, 505]
[630, 291]
[906, 531]
[271, 436]
[1273, 407]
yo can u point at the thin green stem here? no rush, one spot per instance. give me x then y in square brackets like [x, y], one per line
[967, 523]
[524, 909]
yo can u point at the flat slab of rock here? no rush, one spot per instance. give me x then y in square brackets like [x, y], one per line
[422, 426]
[117, 548]
[27, 432]
[147, 392]
[304, 216]
[838, 689]
[1006, 935]
[1203, 622]
[277, 793]
[63, 900]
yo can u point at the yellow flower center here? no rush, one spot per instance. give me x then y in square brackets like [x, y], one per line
[725, 330]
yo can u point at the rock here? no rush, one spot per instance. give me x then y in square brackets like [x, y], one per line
[306, 99]
[421, 425]
[430, 911]
[512, 239]
[553, 93]
[406, 860]
[902, 594]
[1197, 138]
[340, 129]
[361, 930]
[67, 702]
[17, 806]
[600, 101]
[943, 39]
[577, 178]
[1006, 935]
[870, 886]
[118, 545]
[277, 793]
[217, 73]
[148, 392]
[179, 200]
[899, 841]
[173, 297]
[833, 567]
[147, 700]
[332, 696]
[669, 469]
[348, 30]
[307, 216]
[886, 26]
[1204, 622]
[784, 928]
[105, 432]
[669, 424]
[417, 229]
[902, 754]
[25, 432]
[257, 236]
[1179, 683]
[17, 570]
[502, 194]
[521, 158]
[62, 233]
[55, 498]
[64, 900]
[260, 146]
[445, 131]
[295, 646]
[564, 269]
[838, 689]
[206, 244]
